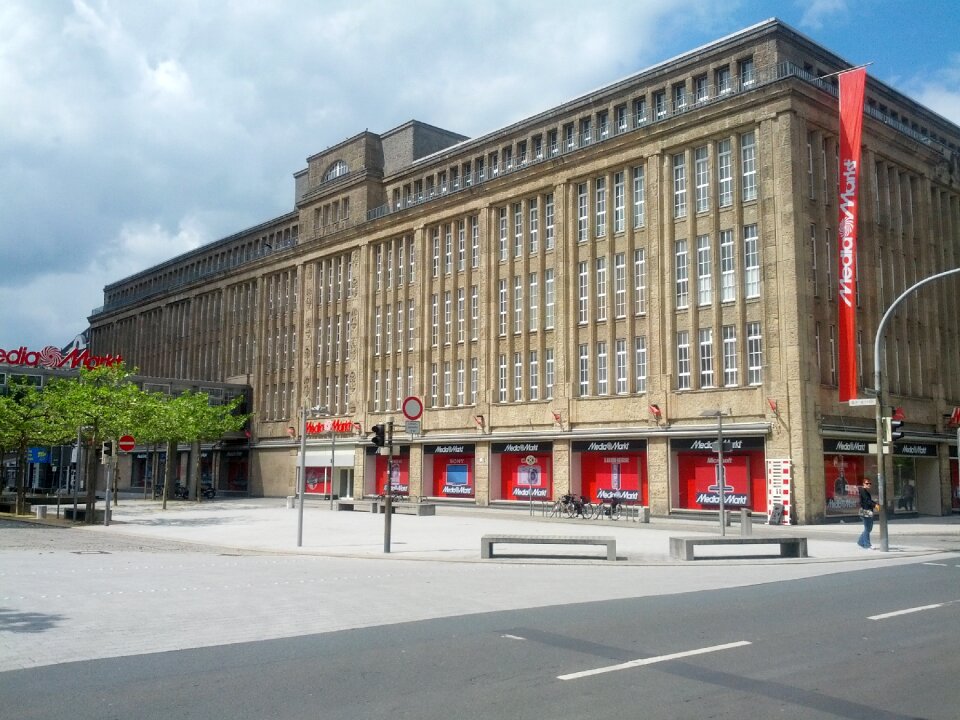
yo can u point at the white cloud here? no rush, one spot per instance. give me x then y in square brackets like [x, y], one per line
[817, 13]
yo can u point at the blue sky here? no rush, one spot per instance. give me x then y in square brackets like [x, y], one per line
[133, 131]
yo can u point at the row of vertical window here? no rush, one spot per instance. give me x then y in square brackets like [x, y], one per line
[394, 263]
[525, 236]
[462, 331]
[445, 255]
[724, 175]
[450, 385]
[703, 354]
[726, 264]
[527, 378]
[526, 300]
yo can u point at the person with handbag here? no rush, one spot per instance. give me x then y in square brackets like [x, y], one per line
[867, 510]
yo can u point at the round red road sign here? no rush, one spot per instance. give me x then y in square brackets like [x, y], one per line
[412, 407]
[126, 443]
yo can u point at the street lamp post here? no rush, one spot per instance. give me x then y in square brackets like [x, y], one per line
[302, 484]
[721, 475]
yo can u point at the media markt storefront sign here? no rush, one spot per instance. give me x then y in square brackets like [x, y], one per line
[525, 468]
[449, 468]
[55, 359]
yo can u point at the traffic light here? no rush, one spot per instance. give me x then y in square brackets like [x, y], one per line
[892, 430]
[379, 435]
[106, 451]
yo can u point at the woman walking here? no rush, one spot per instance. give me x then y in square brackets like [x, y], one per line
[867, 509]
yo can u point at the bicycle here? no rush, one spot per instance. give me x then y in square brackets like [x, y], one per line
[613, 511]
[566, 506]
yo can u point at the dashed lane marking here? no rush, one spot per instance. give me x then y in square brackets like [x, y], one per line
[652, 660]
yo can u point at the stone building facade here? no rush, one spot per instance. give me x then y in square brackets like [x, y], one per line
[583, 299]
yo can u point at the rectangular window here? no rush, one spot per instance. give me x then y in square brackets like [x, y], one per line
[474, 241]
[811, 185]
[705, 337]
[682, 275]
[704, 271]
[701, 89]
[621, 367]
[600, 206]
[434, 386]
[517, 377]
[411, 315]
[702, 171]
[748, 164]
[724, 173]
[751, 262]
[584, 298]
[474, 311]
[660, 104]
[754, 354]
[434, 320]
[638, 196]
[461, 384]
[746, 72]
[620, 118]
[828, 261]
[436, 252]
[534, 376]
[586, 135]
[447, 385]
[603, 124]
[534, 220]
[517, 304]
[548, 219]
[502, 216]
[584, 366]
[679, 97]
[502, 379]
[447, 317]
[448, 249]
[730, 378]
[813, 260]
[728, 283]
[583, 213]
[502, 305]
[552, 142]
[568, 136]
[619, 203]
[548, 373]
[601, 288]
[639, 111]
[639, 282]
[640, 362]
[461, 245]
[683, 360]
[461, 315]
[602, 386]
[722, 79]
[679, 186]
[517, 229]
[620, 285]
[549, 298]
[474, 380]
[533, 317]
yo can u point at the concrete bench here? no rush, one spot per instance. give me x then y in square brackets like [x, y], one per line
[682, 548]
[359, 505]
[82, 513]
[408, 508]
[488, 541]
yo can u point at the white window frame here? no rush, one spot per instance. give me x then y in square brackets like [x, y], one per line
[681, 274]
[751, 261]
[702, 174]
[704, 271]
[683, 360]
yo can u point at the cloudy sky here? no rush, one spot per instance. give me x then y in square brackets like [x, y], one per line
[134, 130]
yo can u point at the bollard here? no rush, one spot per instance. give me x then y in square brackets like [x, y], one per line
[291, 502]
[746, 523]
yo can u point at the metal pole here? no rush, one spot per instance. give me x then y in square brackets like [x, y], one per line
[878, 386]
[388, 495]
[301, 481]
[721, 477]
[333, 460]
[109, 479]
[76, 475]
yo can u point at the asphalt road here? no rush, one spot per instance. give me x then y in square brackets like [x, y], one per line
[429, 640]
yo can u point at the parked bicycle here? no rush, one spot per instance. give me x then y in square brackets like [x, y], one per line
[611, 511]
[571, 506]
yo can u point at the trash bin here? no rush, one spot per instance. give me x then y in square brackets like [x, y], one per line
[40, 511]
[291, 501]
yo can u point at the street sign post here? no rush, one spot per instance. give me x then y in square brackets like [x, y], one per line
[862, 402]
[126, 443]
[412, 407]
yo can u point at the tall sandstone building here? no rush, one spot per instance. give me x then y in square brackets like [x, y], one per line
[584, 300]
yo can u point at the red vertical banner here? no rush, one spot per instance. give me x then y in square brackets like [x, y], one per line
[852, 85]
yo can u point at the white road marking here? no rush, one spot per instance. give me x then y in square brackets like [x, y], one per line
[513, 637]
[934, 564]
[895, 613]
[651, 660]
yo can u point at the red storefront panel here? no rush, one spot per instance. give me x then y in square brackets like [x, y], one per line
[746, 486]
[523, 476]
[399, 474]
[453, 476]
[318, 480]
[618, 475]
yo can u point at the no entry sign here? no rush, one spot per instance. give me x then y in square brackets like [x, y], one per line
[126, 443]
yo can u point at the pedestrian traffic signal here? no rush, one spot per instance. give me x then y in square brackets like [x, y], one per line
[379, 435]
[106, 451]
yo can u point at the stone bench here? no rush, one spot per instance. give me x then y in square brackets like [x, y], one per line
[408, 508]
[683, 548]
[359, 505]
[488, 541]
[82, 513]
